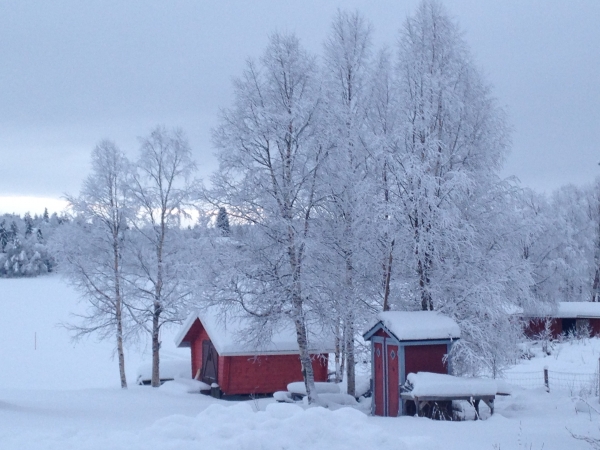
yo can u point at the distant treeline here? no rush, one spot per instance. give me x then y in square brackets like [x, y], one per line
[24, 250]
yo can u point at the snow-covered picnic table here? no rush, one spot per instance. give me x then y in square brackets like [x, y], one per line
[424, 388]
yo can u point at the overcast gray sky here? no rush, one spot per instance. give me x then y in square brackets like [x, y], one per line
[74, 72]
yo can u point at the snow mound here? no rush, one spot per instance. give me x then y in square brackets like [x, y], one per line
[184, 386]
[334, 401]
[283, 396]
[298, 387]
[281, 426]
[169, 370]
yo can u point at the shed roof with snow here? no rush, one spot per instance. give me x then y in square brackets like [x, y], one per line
[415, 326]
[227, 336]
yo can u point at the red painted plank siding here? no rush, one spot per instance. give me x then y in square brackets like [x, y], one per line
[595, 326]
[425, 358]
[265, 374]
[393, 380]
[535, 326]
[253, 375]
[379, 387]
[381, 333]
[224, 373]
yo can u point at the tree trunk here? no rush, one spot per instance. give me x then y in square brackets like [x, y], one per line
[339, 355]
[349, 325]
[307, 369]
[155, 382]
[119, 310]
[596, 285]
[388, 277]
[121, 354]
[343, 352]
[350, 361]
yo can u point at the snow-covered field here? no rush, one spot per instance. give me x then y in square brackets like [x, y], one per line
[55, 394]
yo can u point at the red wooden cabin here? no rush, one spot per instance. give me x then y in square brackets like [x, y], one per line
[221, 355]
[567, 317]
[403, 342]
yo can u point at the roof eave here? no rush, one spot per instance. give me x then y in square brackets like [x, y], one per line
[381, 326]
[274, 353]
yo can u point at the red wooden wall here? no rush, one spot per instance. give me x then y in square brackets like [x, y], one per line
[595, 326]
[265, 374]
[535, 326]
[425, 358]
[378, 387]
[385, 385]
[253, 375]
[195, 336]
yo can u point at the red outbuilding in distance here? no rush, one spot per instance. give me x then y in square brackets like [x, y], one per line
[564, 318]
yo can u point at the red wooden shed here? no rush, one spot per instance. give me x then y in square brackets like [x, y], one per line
[220, 354]
[566, 317]
[403, 342]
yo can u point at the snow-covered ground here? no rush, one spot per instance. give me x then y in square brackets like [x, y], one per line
[37, 352]
[62, 395]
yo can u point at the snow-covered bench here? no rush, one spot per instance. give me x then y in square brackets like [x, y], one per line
[424, 388]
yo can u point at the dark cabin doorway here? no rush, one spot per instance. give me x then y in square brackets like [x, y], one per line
[210, 363]
[569, 326]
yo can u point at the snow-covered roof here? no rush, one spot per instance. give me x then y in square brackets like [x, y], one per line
[566, 310]
[227, 335]
[416, 325]
[427, 384]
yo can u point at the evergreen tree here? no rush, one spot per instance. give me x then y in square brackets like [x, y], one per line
[3, 235]
[223, 222]
[28, 225]
[46, 217]
[13, 235]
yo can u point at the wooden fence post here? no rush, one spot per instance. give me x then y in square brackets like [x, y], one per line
[546, 382]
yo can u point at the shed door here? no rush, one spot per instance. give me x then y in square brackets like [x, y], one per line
[393, 379]
[387, 377]
[379, 382]
[210, 363]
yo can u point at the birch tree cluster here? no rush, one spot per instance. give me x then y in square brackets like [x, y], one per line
[123, 249]
[357, 180]
[367, 179]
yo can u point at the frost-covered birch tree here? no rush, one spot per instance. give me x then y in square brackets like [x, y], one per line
[562, 245]
[346, 186]
[161, 188]
[90, 249]
[382, 136]
[270, 159]
[452, 140]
